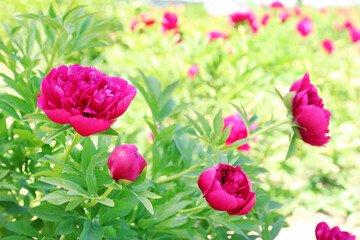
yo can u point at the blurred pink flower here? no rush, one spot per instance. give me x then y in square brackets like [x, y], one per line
[170, 21]
[297, 11]
[238, 130]
[243, 14]
[133, 24]
[323, 232]
[147, 19]
[265, 19]
[305, 26]
[328, 45]
[193, 71]
[254, 26]
[284, 15]
[214, 35]
[276, 4]
[354, 34]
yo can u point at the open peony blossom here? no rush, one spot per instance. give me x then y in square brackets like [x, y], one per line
[309, 113]
[238, 131]
[193, 71]
[145, 19]
[354, 34]
[305, 26]
[328, 45]
[227, 188]
[323, 232]
[214, 35]
[283, 15]
[170, 22]
[126, 163]
[84, 97]
[276, 4]
[243, 14]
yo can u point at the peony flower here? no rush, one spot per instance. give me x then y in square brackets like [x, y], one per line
[297, 11]
[284, 15]
[328, 45]
[354, 34]
[243, 14]
[323, 232]
[276, 4]
[305, 26]
[84, 97]
[133, 24]
[169, 22]
[227, 188]
[147, 19]
[238, 131]
[309, 113]
[214, 35]
[193, 71]
[126, 163]
[265, 19]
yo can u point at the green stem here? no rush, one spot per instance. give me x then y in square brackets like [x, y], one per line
[53, 53]
[195, 209]
[179, 175]
[268, 128]
[107, 192]
[68, 150]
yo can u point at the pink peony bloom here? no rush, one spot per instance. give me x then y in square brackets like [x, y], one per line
[328, 45]
[243, 14]
[238, 131]
[297, 11]
[323, 232]
[169, 22]
[193, 71]
[147, 19]
[354, 34]
[84, 97]
[227, 188]
[265, 19]
[276, 4]
[214, 35]
[348, 24]
[305, 26]
[309, 113]
[284, 15]
[125, 162]
[133, 24]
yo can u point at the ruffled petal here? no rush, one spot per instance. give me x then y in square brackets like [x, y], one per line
[222, 201]
[312, 118]
[206, 179]
[86, 126]
[322, 231]
[246, 207]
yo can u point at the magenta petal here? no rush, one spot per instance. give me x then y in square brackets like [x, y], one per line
[221, 200]
[246, 207]
[318, 139]
[59, 116]
[86, 126]
[206, 179]
[312, 118]
[322, 231]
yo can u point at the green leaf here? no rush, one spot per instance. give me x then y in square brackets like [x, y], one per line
[72, 12]
[66, 184]
[147, 204]
[49, 212]
[247, 224]
[197, 127]
[16, 237]
[276, 228]
[292, 147]
[3, 128]
[50, 22]
[229, 224]
[224, 135]
[204, 123]
[73, 204]
[91, 231]
[9, 110]
[22, 228]
[53, 160]
[86, 155]
[166, 132]
[108, 132]
[56, 133]
[106, 201]
[166, 93]
[37, 117]
[218, 123]
[16, 103]
[67, 226]
[60, 196]
[149, 195]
